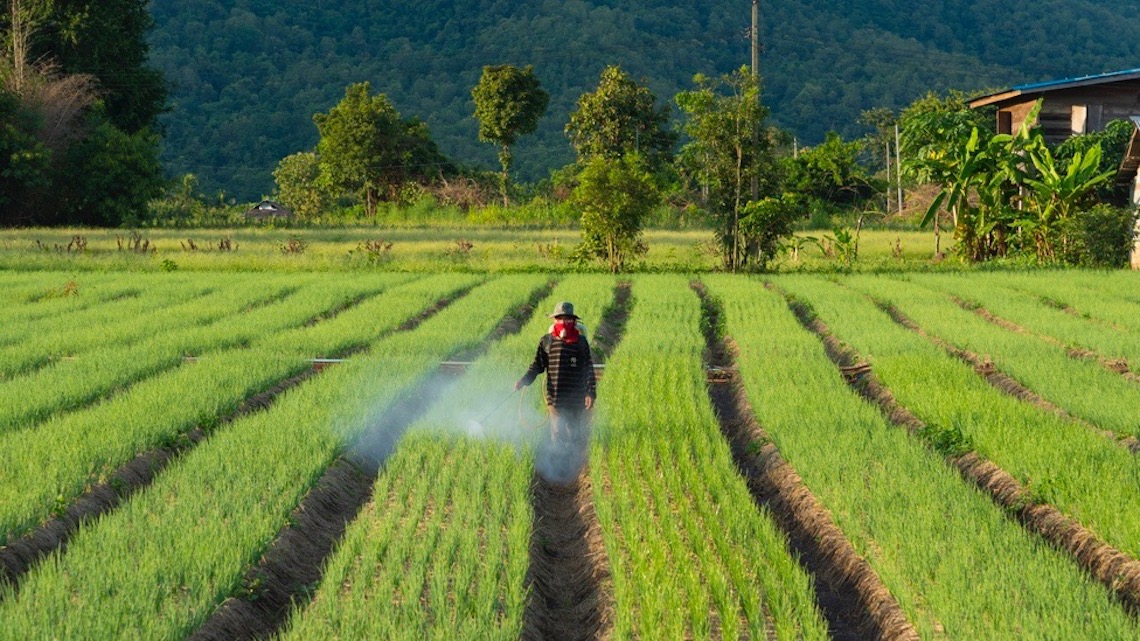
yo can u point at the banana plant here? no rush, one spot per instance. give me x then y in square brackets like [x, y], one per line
[1054, 194]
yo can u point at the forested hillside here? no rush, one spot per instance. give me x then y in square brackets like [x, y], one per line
[248, 75]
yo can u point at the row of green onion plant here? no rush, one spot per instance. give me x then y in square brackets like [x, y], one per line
[691, 554]
[441, 551]
[956, 564]
[1084, 475]
[157, 567]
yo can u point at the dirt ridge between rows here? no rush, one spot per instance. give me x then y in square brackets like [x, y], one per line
[1072, 311]
[853, 599]
[1003, 382]
[1114, 365]
[1116, 570]
[18, 557]
[293, 563]
[569, 573]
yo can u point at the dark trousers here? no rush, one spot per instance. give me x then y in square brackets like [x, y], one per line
[564, 451]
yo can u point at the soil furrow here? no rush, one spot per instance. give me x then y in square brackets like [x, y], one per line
[853, 599]
[293, 563]
[1114, 365]
[125, 388]
[1071, 311]
[1117, 571]
[569, 573]
[18, 557]
[1003, 382]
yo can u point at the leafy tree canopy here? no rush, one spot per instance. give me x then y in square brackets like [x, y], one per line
[615, 196]
[619, 117]
[508, 103]
[367, 149]
[728, 147]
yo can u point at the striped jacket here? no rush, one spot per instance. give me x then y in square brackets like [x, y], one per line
[569, 371]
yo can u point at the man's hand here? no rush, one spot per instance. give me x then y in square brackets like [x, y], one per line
[589, 402]
[519, 385]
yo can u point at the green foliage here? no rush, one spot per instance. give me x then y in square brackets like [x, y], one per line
[246, 76]
[932, 129]
[621, 116]
[1101, 237]
[369, 151]
[615, 196]
[1006, 193]
[298, 185]
[108, 178]
[728, 148]
[947, 441]
[767, 222]
[77, 137]
[24, 160]
[830, 172]
[182, 205]
[1113, 141]
[108, 40]
[1055, 193]
[508, 103]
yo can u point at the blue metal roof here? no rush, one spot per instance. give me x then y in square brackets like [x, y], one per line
[1051, 84]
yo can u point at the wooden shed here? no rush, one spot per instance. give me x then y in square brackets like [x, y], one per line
[1069, 107]
[268, 210]
[1077, 106]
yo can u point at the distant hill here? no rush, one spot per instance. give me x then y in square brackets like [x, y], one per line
[248, 75]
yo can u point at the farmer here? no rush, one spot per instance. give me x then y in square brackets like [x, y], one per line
[564, 354]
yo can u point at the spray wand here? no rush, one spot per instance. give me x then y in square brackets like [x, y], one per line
[492, 412]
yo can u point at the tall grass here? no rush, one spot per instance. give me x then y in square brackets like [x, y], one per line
[157, 567]
[691, 555]
[956, 564]
[1086, 476]
[442, 549]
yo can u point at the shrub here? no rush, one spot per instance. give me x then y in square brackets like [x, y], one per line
[1100, 237]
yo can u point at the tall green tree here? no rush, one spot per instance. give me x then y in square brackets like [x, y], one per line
[299, 186]
[109, 176]
[936, 149]
[508, 103]
[107, 39]
[615, 195]
[76, 71]
[619, 117]
[830, 172]
[24, 160]
[368, 150]
[729, 145]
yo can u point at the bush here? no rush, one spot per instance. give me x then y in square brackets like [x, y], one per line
[1100, 237]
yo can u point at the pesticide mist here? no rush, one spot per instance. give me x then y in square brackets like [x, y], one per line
[520, 418]
[480, 405]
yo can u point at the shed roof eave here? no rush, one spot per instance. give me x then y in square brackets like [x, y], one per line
[994, 98]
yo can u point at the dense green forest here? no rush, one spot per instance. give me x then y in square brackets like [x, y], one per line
[247, 76]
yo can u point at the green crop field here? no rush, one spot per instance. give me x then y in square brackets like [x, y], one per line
[413, 249]
[327, 444]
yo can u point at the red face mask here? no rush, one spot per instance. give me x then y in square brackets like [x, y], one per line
[566, 332]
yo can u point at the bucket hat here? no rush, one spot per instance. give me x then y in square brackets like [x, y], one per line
[564, 309]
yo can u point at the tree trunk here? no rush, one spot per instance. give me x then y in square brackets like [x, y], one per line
[504, 179]
[736, 208]
[21, 36]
